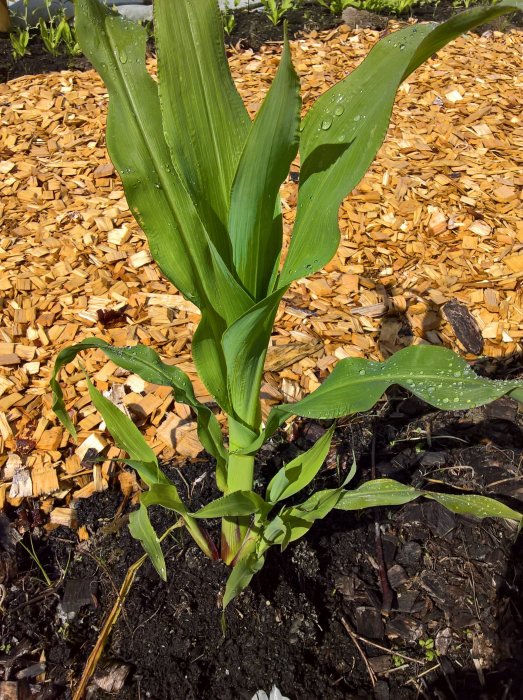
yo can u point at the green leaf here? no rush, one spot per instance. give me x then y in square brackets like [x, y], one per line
[378, 492]
[255, 229]
[196, 259]
[154, 189]
[141, 529]
[478, 506]
[167, 496]
[434, 374]
[387, 492]
[204, 118]
[346, 126]
[241, 576]
[298, 473]
[299, 519]
[245, 346]
[233, 504]
[145, 362]
[127, 436]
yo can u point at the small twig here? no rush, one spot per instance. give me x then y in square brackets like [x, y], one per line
[388, 651]
[96, 653]
[358, 646]
[387, 593]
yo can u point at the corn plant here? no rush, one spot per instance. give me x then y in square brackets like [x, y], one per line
[203, 182]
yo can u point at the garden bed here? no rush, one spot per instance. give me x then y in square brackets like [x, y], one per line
[75, 264]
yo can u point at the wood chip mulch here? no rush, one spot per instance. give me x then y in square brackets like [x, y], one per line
[437, 218]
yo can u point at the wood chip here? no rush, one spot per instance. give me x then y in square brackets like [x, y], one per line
[436, 218]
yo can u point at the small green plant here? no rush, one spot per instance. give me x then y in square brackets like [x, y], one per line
[203, 181]
[20, 36]
[57, 34]
[228, 18]
[396, 7]
[276, 9]
[34, 556]
[336, 7]
[429, 647]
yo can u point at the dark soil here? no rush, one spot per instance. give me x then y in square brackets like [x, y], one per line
[251, 30]
[456, 584]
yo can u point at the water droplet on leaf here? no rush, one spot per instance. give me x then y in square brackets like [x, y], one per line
[326, 124]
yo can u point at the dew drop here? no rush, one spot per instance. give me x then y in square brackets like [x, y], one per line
[123, 57]
[326, 124]
[357, 118]
[362, 372]
[339, 110]
[402, 47]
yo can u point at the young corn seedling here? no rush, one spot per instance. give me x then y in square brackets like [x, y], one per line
[203, 182]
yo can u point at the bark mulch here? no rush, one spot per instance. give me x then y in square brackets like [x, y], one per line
[436, 220]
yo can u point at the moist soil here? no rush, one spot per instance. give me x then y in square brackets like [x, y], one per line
[251, 30]
[455, 624]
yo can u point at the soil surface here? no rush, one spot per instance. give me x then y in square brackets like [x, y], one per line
[251, 30]
[455, 625]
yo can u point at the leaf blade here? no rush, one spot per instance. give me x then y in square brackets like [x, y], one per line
[141, 529]
[205, 121]
[344, 129]
[434, 374]
[256, 233]
[300, 471]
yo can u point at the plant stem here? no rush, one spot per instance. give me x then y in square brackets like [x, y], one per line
[240, 471]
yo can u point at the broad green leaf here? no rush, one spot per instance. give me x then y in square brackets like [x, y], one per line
[378, 492]
[299, 519]
[298, 473]
[241, 576]
[387, 492]
[153, 187]
[434, 374]
[204, 119]
[233, 504]
[272, 144]
[141, 529]
[127, 436]
[146, 363]
[188, 253]
[478, 506]
[207, 352]
[245, 346]
[167, 496]
[346, 126]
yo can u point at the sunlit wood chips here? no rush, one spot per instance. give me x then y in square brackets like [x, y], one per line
[437, 217]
